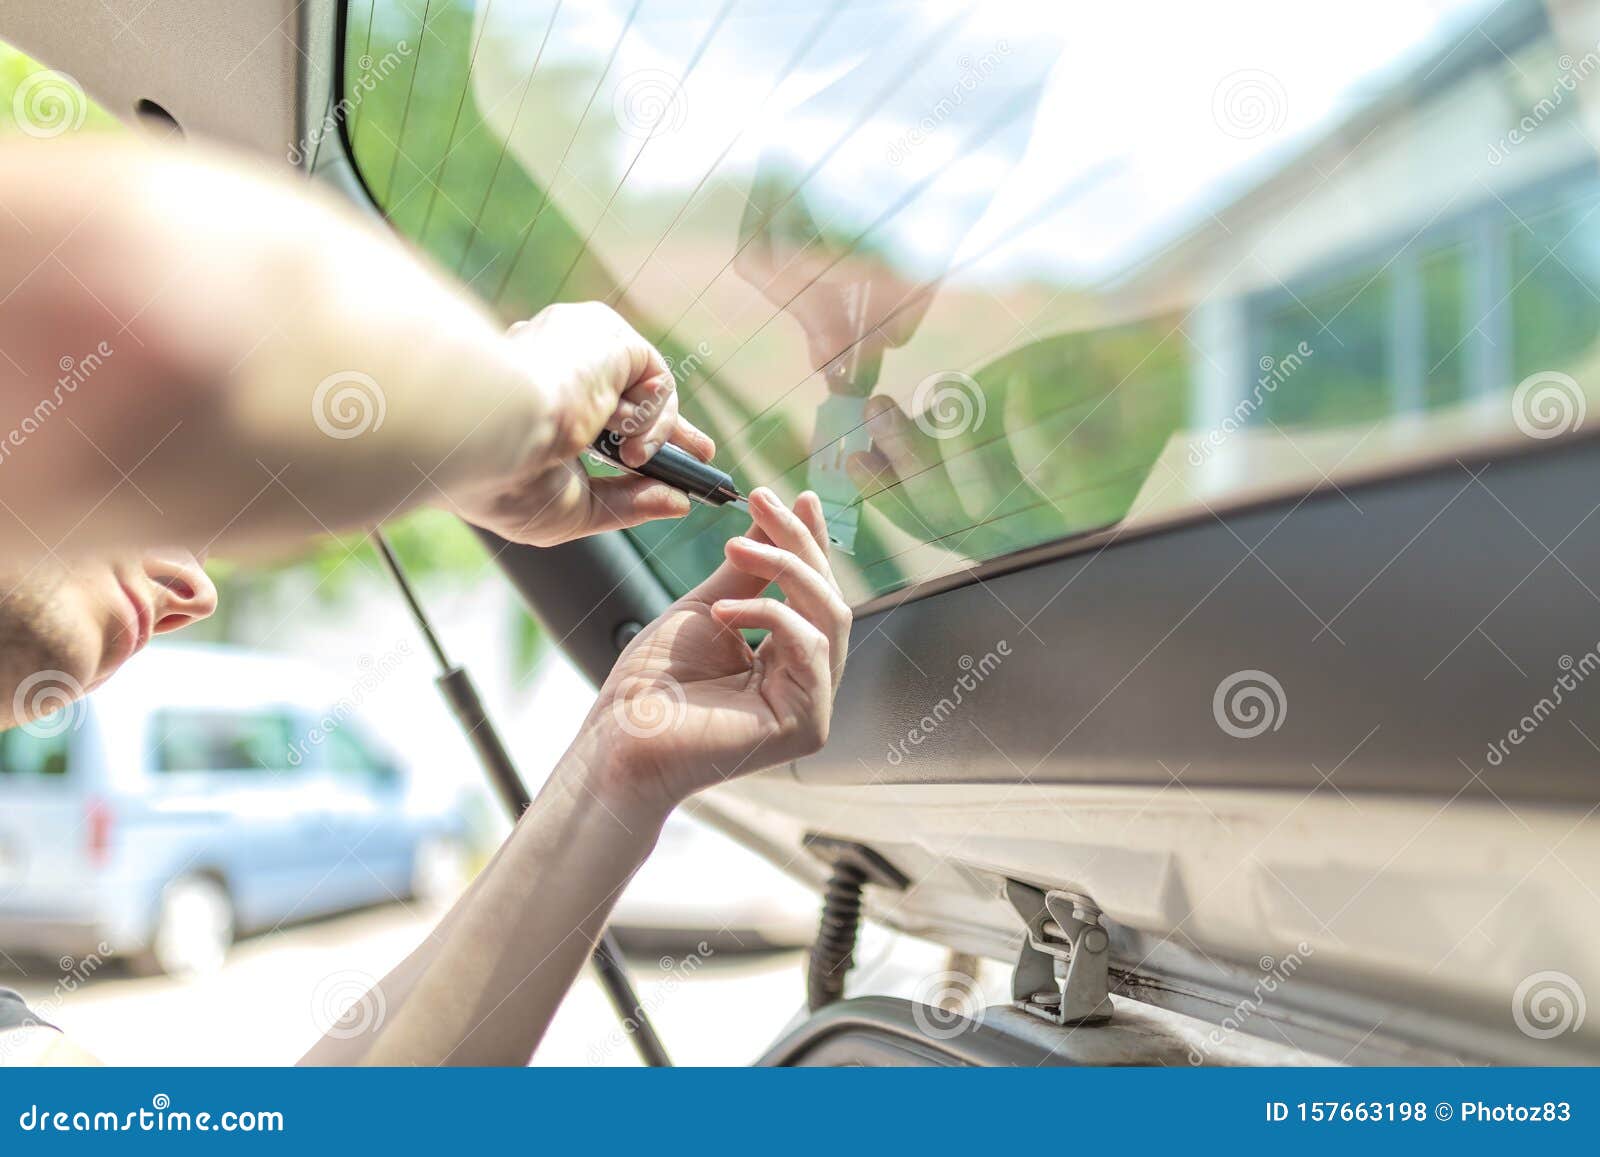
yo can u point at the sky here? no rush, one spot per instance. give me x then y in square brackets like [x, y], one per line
[951, 126]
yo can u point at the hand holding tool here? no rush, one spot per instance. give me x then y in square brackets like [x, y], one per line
[678, 468]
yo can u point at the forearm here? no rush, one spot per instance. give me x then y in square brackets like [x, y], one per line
[687, 704]
[484, 988]
[391, 993]
[228, 326]
[339, 1047]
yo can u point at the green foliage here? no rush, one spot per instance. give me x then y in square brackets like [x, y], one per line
[16, 69]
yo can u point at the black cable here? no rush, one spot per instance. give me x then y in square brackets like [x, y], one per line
[465, 704]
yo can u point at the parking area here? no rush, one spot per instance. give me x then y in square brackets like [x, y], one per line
[278, 992]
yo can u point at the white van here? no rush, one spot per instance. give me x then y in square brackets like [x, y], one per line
[201, 794]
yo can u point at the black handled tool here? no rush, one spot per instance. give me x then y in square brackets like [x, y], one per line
[683, 471]
[677, 468]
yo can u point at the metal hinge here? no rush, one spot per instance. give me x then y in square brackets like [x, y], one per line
[1063, 930]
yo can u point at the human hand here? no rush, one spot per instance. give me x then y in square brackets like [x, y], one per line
[851, 306]
[596, 373]
[690, 703]
[940, 483]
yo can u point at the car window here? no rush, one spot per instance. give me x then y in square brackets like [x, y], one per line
[43, 748]
[350, 756]
[222, 741]
[987, 276]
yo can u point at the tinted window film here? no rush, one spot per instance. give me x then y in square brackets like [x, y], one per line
[990, 275]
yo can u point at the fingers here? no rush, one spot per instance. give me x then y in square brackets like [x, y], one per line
[809, 507]
[799, 646]
[693, 439]
[809, 592]
[785, 528]
[648, 414]
[620, 501]
[645, 361]
[614, 367]
[871, 472]
[793, 553]
[908, 449]
[653, 418]
[779, 546]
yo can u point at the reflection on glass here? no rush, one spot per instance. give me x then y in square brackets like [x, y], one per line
[987, 276]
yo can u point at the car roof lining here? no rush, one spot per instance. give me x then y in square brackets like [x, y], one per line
[235, 71]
